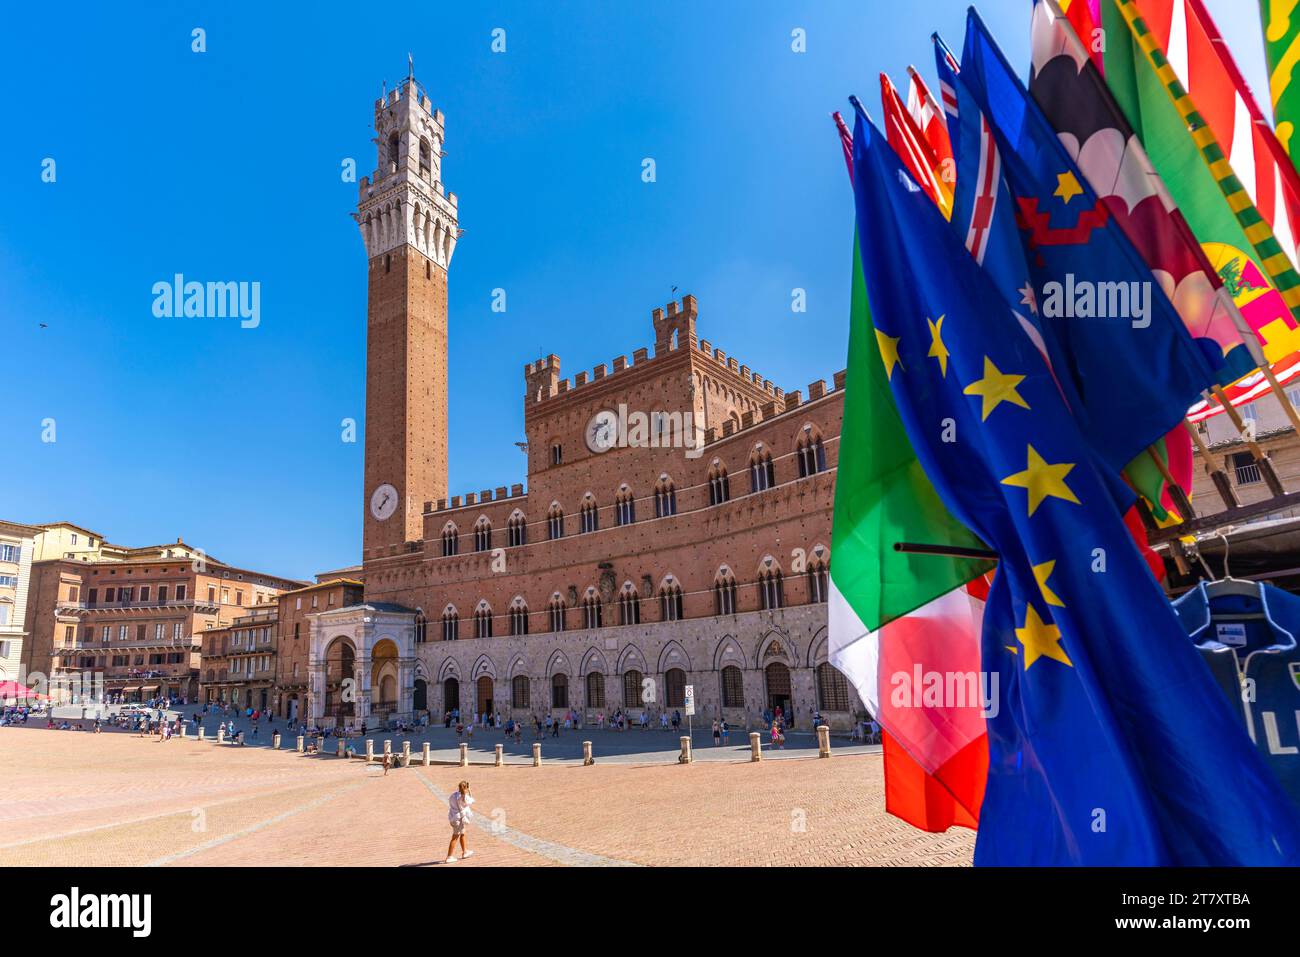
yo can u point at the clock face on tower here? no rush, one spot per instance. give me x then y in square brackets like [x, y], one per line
[383, 502]
[602, 431]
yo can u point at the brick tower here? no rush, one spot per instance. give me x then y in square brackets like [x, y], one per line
[408, 222]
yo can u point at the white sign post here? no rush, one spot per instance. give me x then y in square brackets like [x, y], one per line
[690, 710]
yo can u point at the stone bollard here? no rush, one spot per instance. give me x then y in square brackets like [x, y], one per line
[184, 730]
[823, 741]
[202, 732]
[755, 746]
[342, 749]
[587, 759]
[427, 758]
[464, 754]
[221, 736]
[388, 748]
[406, 754]
[499, 757]
[370, 750]
[685, 757]
[275, 741]
[302, 744]
[537, 754]
[320, 745]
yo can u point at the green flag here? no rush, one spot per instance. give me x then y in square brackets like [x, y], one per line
[1236, 238]
[1282, 50]
[882, 497]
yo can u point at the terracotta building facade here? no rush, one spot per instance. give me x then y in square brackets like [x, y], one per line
[126, 625]
[675, 529]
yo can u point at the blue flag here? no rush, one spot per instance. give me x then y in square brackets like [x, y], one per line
[1108, 742]
[1126, 363]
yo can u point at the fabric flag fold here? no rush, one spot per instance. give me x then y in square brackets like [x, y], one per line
[1281, 22]
[1127, 365]
[1069, 89]
[891, 613]
[1202, 60]
[1181, 145]
[1092, 684]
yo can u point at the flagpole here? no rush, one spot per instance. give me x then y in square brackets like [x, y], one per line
[1217, 475]
[1265, 466]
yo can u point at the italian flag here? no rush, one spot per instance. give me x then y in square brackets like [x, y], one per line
[897, 617]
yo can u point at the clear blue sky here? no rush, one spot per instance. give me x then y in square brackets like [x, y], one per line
[225, 165]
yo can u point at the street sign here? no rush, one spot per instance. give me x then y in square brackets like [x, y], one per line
[690, 700]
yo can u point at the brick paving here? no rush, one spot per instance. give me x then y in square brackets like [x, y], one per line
[117, 799]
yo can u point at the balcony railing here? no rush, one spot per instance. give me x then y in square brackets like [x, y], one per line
[172, 603]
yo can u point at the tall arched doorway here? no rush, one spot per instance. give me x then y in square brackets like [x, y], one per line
[420, 699]
[451, 695]
[778, 689]
[485, 703]
[383, 680]
[340, 667]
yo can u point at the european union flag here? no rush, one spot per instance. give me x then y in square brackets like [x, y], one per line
[1109, 743]
[1125, 360]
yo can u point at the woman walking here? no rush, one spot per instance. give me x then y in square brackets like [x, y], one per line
[458, 814]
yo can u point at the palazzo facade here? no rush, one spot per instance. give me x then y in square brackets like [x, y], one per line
[675, 530]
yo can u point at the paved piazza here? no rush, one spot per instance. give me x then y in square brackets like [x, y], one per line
[117, 799]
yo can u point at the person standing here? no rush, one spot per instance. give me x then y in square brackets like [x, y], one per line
[717, 733]
[458, 815]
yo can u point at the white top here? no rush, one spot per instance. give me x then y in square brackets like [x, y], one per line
[458, 811]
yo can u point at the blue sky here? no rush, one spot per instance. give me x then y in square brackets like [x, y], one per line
[225, 165]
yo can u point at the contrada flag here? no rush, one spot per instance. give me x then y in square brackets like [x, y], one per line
[1090, 761]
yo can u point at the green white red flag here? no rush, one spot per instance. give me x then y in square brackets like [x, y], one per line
[897, 617]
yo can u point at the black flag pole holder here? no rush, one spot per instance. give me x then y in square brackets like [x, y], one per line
[945, 551]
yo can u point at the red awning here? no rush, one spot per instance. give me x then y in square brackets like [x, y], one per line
[12, 689]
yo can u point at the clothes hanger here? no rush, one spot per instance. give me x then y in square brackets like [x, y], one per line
[1227, 585]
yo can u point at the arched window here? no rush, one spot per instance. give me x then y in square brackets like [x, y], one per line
[450, 539]
[818, 581]
[555, 521]
[421, 628]
[394, 150]
[560, 691]
[733, 687]
[832, 688]
[761, 474]
[483, 620]
[595, 689]
[556, 610]
[450, 624]
[771, 589]
[589, 516]
[482, 535]
[665, 498]
[517, 530]
[519, 691]
[670, 601]
[810, 453]
[426, 158]
[719, 485]
[632, 689]
[591, 613]
[724, 593]
[518, 617]
[629, 606]
[675, 687]
[625, 507]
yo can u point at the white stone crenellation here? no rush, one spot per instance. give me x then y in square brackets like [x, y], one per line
[403, 201]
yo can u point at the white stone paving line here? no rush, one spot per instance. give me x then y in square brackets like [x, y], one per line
[535, 845]
[254, 828]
